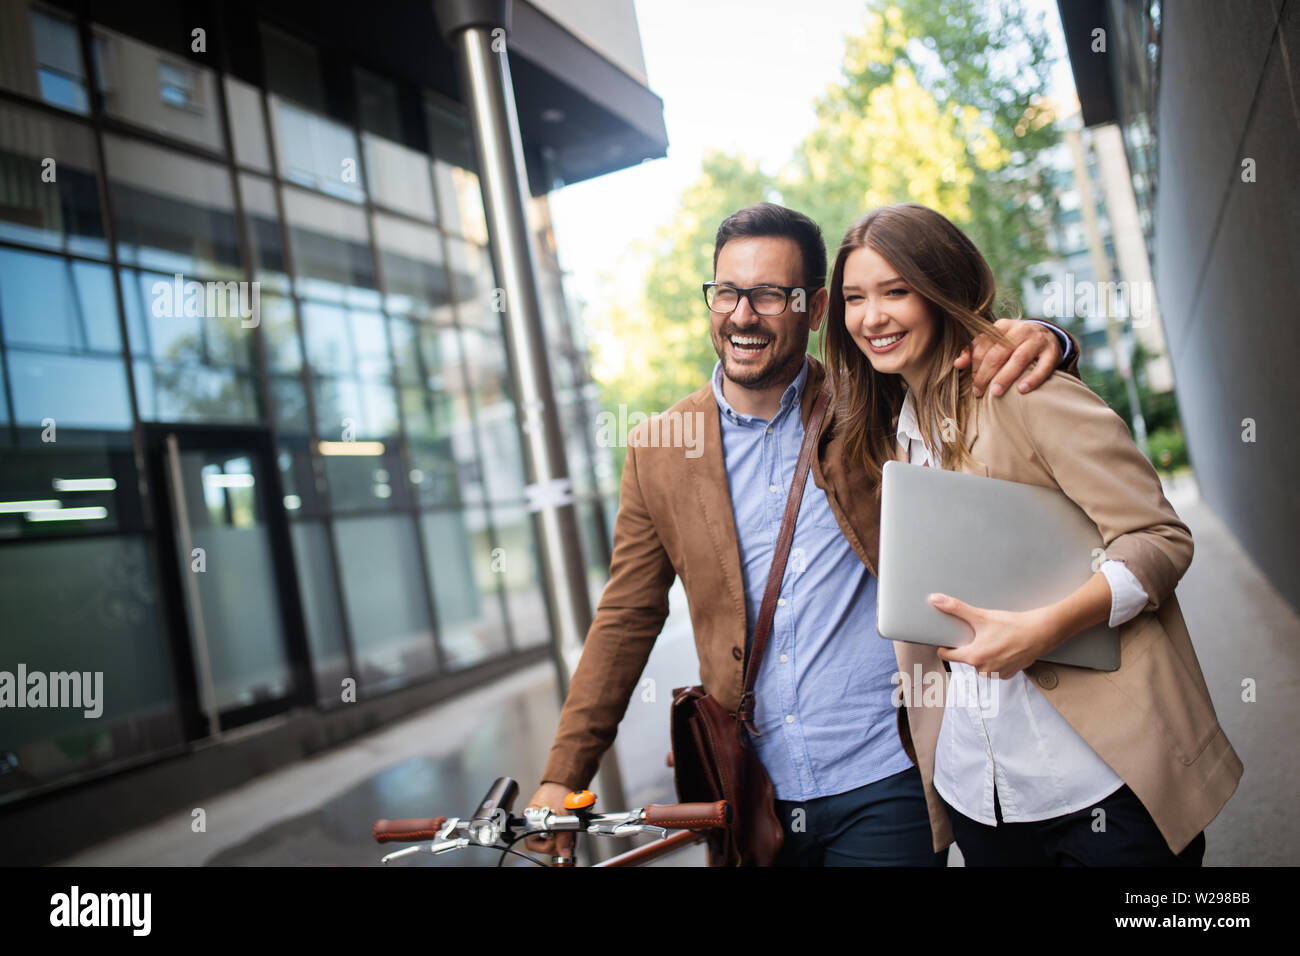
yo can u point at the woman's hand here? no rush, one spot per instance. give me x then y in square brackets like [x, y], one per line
[1006, 642]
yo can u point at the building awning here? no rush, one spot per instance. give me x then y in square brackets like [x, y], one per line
[1092, 77]
[580, 114]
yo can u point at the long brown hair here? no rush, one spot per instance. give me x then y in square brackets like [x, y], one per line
[940, 263]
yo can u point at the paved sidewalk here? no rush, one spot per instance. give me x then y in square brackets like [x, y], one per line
[318, 812]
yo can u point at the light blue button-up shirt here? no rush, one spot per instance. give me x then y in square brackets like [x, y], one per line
[823, 694]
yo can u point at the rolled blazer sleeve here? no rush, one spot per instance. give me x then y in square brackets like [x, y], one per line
[630, 616]
[1091, 455]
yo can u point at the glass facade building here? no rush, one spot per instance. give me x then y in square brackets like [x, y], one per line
[259, 439]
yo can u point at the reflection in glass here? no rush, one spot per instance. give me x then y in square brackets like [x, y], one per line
[63, 214]
[174, 213]
[478, 300]
[237, 594]
[460, 202]
[49, 614]
[78, 391]
[159, 91]
[331, 251]
[247, 125]
[167, 392]
[519, 572]
[415, 276]
[498, 430]
[383, 594]
[465, 586]
[67, 476]
[58, 303]
[320, 605]
[365, 482]
[40, 55]
[315, 152]
[258, 196]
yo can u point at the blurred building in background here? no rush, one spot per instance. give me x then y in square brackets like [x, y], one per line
[258, 437]
[1101, 272]
[1205, 97]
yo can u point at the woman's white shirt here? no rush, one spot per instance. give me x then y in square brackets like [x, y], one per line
[1005, 732]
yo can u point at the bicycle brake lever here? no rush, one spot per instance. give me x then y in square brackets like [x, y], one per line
[444, 846]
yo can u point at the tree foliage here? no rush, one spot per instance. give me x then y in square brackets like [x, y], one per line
[942, 103]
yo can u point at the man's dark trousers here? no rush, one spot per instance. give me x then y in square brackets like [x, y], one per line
[885, 823]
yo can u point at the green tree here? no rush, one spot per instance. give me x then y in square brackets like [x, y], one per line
[657, 350]
[943, 104]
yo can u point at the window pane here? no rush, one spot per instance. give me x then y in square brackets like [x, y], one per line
[104, 619]
[314, 151]
[159, 91]
[53, 302]
[521, 575]
[280, 334]
[247, 125]
[174, 213]
[473, 279]
[40, 55]
[167, 392]
[384, 596]
[96, 485]
[331, 250]
[289, 405]
[465, 588]
[189, 321]
[415, 277]
[399, 178]
[349, 408]
[75, 391]
[264, 226]
[320, 606]
[497, 428]
[460, 202]
[63, 214]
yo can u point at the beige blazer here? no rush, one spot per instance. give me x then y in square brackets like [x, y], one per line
[1151, 720]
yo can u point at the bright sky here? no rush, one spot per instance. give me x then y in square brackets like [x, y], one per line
[734, 76]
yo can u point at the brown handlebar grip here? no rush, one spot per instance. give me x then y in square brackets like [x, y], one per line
[407, 831]
[686, 816]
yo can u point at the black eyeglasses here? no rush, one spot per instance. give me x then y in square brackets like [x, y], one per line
[763, 299]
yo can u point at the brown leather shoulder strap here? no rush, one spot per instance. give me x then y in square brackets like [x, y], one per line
[763, 629]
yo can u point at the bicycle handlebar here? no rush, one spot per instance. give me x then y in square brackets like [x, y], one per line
[686, 816]
[407, 831]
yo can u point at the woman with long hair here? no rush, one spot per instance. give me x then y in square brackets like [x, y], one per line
[1074, 766]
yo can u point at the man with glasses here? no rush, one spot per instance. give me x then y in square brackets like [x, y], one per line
[847, 792]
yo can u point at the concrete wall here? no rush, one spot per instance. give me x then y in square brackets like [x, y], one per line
[1226, 261]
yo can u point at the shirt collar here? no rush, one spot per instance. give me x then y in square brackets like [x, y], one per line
[791, 396]
[909, 428]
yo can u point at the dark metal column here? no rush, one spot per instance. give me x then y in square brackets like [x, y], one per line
[478, 30]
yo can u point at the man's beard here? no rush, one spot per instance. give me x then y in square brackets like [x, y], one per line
[777, 369]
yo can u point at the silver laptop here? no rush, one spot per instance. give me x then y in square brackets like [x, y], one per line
[991, 543]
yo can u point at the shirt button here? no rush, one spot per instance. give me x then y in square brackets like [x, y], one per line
[737, 653]
[789, 718]
[769, 429]
[772, 488]
[781, 601]
[1047, 679]
[785, 658]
